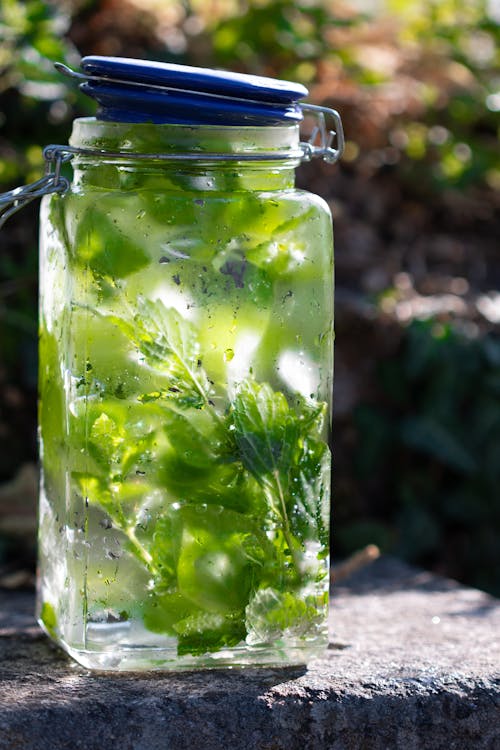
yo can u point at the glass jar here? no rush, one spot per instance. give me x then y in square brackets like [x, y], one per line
[186, 357]
[185, 380]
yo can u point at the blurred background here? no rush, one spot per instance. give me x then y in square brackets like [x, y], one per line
[416, 204]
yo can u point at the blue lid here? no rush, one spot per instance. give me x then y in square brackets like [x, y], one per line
[130, 90]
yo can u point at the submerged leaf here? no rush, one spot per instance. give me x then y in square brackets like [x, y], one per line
[242, 493]
[266, 430]
[273, 613]
[49, 619]
[208, 632]
[279, 446]
[310, 492]
[196, 436]
[107, 250]
[163, 609]
[208, 560]
[168, 343]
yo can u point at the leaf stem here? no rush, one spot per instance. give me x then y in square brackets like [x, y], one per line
[198, 387]
[141, 551]
[287, 533]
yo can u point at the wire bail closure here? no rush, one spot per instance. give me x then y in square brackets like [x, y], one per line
[327, 136]
[51, 182]
[327, 132]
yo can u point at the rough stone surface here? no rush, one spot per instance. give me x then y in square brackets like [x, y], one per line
[413, 664]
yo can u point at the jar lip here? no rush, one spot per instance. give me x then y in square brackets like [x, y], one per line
[91, 137]
[214, 142]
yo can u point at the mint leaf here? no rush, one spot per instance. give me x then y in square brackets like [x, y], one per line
[121, 439]
[52, 414]
[197, 436]
[106, 440]
[310, 414]
[201, 463]
[266, 431]
[96, 492]
[278, 445]
[163, 609]
[226, 484]
[111, 498]
[49, 619]
[206, 632]
[271, 614]
[208, 560]
[165, 549]
[107, 250]
[283, 255]
[219, 558]
[168, 343]
[310, 491]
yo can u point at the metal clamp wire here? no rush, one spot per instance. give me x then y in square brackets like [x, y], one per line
[14, 200]
[319, 145]
[69, 151]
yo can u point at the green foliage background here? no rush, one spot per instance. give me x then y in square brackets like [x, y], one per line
[418, 85]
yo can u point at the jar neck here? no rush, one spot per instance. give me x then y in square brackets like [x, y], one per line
[199, 173]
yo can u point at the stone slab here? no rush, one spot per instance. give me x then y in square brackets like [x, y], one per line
[413, 664]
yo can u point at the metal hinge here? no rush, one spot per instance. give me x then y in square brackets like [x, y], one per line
[51, 182]
[327, 132]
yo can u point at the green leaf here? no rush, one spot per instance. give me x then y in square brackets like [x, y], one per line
[266, 431]
[271, 613]
[310, 492]
[208, 559]
[278, 445]
[105, 249]
[96, 492]
[208, 632]
[201, 464]
[106, 440]
[52, 414]
[121, 437]
[162, 610]
[168, 343]
[281, 255]
[219, 558]
[196, 436]
[165, 549]
[226, 484]
[49, 619]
